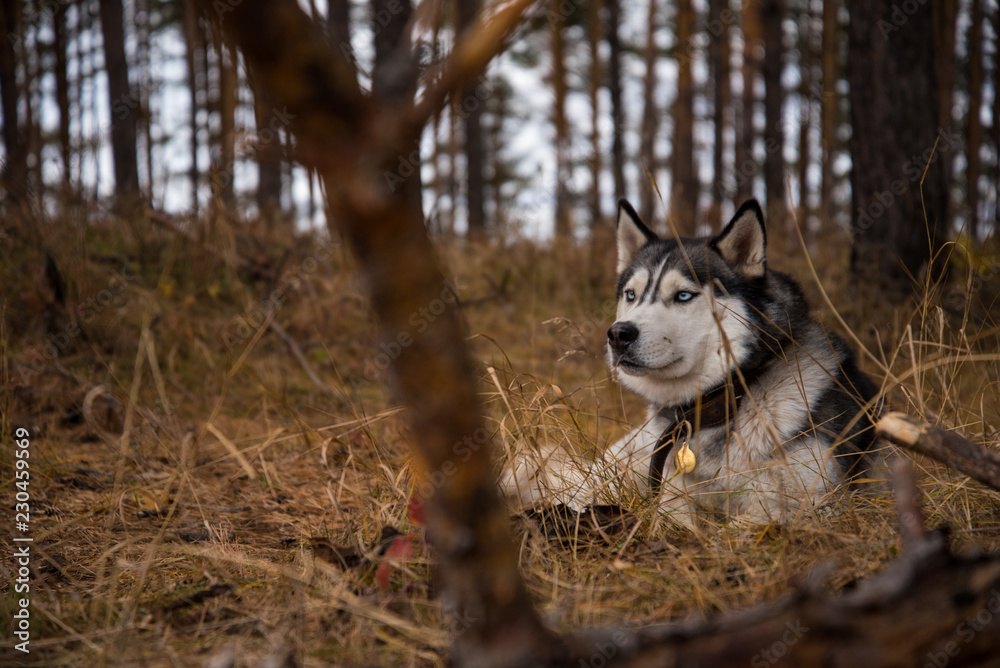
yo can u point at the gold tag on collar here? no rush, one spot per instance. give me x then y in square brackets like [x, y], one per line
[684, 458]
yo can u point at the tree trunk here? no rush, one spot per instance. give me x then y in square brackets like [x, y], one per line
[615, 91]
[771, 17]
[894, 130]
[806, 53]
[350, 139]
[268, 154]
[746, 168]
[394, 84]
[684, 185]
[339, 23]
[830, 104]
[124, 105]
[193, 43]
[946, 67]
[557, 21]
[650, 116]
[471, 109]
[145, 119]
[59, 45]
[974, 127]
[14, 170]
[718, 55]
[594, 29]
[226, 108]
[995, 129]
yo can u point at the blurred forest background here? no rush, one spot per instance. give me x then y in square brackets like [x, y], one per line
[695, 104]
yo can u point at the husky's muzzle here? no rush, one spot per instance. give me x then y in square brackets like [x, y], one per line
[621, 335]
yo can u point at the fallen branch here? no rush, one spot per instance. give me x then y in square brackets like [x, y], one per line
[927, 607]
[961, 454]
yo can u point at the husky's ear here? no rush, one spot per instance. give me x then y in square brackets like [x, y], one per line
[632, 234]
[743, 243]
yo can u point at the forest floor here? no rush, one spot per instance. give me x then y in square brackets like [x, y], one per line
[198, 499]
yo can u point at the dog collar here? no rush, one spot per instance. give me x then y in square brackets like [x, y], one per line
[712, 409]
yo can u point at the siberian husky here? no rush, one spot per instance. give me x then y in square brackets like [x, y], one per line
[755, 410]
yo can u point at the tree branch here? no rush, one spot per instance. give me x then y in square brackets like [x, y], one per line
[357, 148]
[961, 454]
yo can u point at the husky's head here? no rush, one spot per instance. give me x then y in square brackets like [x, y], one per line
[689, 310]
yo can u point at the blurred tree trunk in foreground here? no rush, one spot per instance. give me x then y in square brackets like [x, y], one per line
[893, 83]
[350, 138]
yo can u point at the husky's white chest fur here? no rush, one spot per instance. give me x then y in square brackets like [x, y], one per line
[754, 409]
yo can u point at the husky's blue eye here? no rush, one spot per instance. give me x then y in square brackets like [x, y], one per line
[684, 296]
[630, 295]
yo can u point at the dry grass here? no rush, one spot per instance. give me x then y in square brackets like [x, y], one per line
[173, 511]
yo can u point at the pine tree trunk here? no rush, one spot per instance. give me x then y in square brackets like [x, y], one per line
[894, 129]
[806, 54]
[615, 92]
[974, 127]
[684, 185]
[830, 104]
[192, 45]
[718, 55]
[746, 167]
[647, 131]
[59, 45]
[226, 108]
[392, 84]
[946, 67]
[470, 107]
[557, 21]
[594, 28]
[995, 129]
[123, 104]
[771, 17]
[339, 23]
[14, 169]
[268, 159]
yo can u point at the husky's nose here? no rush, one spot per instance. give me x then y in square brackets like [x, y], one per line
[622, 335]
